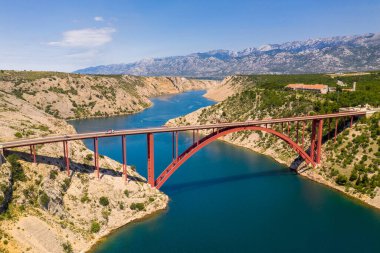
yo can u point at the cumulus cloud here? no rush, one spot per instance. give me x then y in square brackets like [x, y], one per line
[98, 18]
[85, 38]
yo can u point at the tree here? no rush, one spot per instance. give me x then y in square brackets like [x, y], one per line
[341, 179]
[104, 201]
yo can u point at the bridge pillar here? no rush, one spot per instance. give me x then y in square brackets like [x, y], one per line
[303, 134]
[96, 157]
[124, 150]
[319, 140]
[150, 142]
[312, 143]
[33, 153]
[176, 146]
[336, 129]
[1, 156]
[66, 156]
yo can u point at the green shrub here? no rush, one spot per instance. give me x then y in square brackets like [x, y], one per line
[95, 227]
[89, 157]
[341, 179]
[85, 198]
[137, 206]
[53, 174]
[18, 135]
[66, 184]
[354, 175]
[126, 193]
[67, 248]
[17, 171]
[104, 201]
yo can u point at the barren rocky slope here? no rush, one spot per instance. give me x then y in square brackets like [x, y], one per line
[71, 96]
[46, 210]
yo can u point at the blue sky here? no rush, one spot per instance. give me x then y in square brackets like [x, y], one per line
[72, 34]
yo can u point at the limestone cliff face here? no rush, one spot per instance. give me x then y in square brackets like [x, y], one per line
[69, 96]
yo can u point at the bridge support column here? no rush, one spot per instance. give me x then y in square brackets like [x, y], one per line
[312, 143]
[66, 156]
[124, 150]
[329, 129]
[150, 142]
[351, 122]
[2, 159]
[33, 153]
[176, 146]
[319, 141]
[303, 134]
[96, 157]
[288, 128]
[336, 129]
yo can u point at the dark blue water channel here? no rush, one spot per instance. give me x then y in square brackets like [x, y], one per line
[229, 199]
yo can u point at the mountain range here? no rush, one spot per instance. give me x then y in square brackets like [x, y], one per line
[335, 54]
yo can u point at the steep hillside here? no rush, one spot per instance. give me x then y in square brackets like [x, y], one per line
[352, 164]
[336, 54]
[71, 96]
[44, 210]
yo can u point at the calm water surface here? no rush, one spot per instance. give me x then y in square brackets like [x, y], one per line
[228, 199]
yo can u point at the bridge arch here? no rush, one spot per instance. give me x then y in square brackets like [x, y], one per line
[189, 152]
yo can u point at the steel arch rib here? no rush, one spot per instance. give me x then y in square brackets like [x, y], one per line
[173, 166]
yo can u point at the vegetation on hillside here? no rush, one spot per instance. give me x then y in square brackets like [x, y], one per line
[353, 160]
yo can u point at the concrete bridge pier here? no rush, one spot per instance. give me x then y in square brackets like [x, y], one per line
[2, 159]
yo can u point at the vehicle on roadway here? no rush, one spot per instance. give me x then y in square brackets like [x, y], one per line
[110, 131]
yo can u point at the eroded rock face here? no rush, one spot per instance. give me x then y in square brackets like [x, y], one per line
[54, 193]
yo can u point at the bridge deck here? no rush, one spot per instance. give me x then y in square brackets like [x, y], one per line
[82, 136]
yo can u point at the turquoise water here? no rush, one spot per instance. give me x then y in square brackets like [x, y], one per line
[228, 199]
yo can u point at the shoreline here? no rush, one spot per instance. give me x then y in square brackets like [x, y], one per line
[363, 199]
[103, 238]
[141, 110]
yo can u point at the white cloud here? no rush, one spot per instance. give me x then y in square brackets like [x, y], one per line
[98, 18]
[85, 38]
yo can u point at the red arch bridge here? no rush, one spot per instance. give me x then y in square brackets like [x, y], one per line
[311, 155]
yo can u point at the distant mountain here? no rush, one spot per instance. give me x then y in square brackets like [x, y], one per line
[336, 54]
